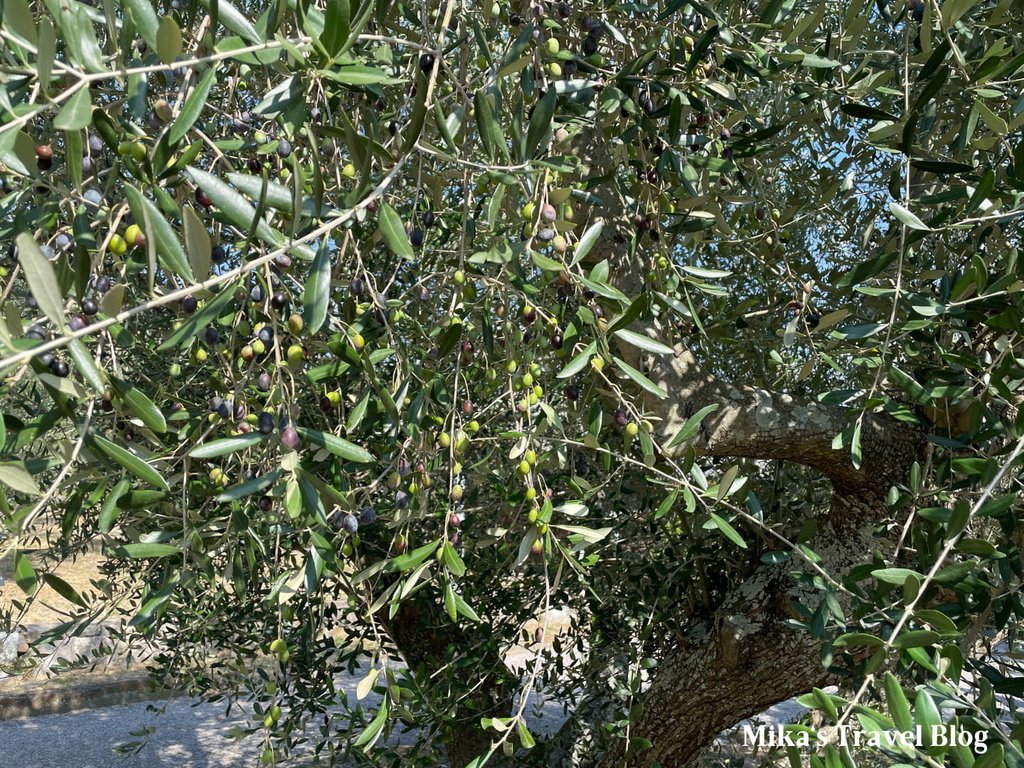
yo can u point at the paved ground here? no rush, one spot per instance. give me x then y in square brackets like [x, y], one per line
[184, 735]
[181, 734]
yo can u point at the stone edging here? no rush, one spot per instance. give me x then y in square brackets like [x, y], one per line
[86, 692]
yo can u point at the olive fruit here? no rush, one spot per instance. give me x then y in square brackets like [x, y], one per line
[350, 523]
[264, 382]
[290, 438]
[90, 307]
[265, 422]
[59, 368]
[428, 218]
[427, 63]
[284, 148]
[163, 110]
[367, 515]
[44, 157]
[416, 238]
[134, 235]
[189, 305]
[117, 245]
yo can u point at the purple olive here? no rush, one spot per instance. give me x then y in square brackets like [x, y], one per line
[290, 438]
[265, 423]
[367, 515]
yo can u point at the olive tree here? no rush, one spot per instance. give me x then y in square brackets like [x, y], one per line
[360, 332]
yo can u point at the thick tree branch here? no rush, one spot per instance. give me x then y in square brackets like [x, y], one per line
[750, 422]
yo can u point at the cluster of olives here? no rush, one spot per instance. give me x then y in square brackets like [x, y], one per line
[55, 365]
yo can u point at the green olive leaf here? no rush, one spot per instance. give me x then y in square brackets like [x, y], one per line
[134, 464]
[393, 230]
[168, 247]
[41, 279]
[140, 405]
